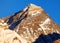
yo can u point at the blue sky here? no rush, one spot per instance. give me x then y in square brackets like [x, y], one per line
[52, 7]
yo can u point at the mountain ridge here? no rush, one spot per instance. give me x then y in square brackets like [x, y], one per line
[31, 22]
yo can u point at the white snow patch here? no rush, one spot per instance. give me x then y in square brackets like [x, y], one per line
[34, 5]
[47, 21]
[25, 9]
[34, 14]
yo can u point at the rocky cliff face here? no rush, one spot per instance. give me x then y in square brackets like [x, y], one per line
[9, 36]
[32, 22]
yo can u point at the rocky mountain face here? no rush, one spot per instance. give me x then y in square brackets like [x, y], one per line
[9, 36]
[34, 25]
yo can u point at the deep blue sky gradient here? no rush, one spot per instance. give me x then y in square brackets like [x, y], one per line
[52, 7]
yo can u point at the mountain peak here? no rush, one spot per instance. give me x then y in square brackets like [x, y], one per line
[32, 9]
[33, 5]
[31, 22]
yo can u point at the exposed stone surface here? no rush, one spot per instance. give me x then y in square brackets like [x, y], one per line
[9, 36]
[31, 22]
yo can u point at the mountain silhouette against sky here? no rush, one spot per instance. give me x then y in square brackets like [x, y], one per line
[34, 25]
